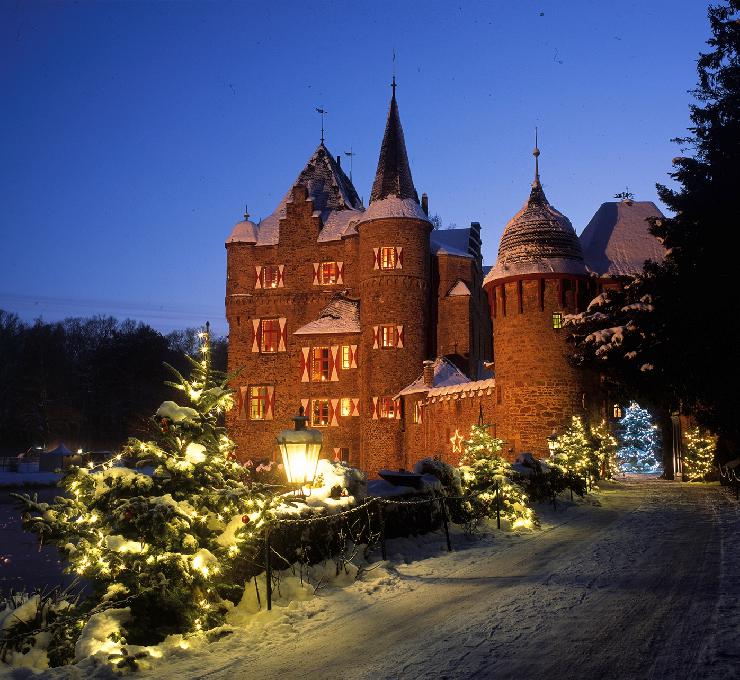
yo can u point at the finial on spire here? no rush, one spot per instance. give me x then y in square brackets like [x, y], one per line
[393, 82]
[536, 154]
[322, 112]
[246, 212]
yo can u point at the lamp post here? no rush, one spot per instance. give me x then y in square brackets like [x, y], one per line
[552, 443]
[300, 449]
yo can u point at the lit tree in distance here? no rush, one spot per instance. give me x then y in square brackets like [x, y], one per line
[639, 441]
[699, 457]
[608, 445]
[573, 449]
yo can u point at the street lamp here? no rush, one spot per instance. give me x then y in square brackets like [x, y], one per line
[552, 443]
[300, 448]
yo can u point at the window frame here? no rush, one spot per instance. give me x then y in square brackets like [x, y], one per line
[345, 407]
[387, 408]
[323, 274]
[557, 320]
[388, 257]
[259, 398]
[323, 361]
[321, 404]
[346, 357]
[264, 332]
[274, 281]
[382, 336]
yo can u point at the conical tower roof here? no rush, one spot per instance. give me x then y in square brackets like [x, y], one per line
[393, 193]
[538, 239]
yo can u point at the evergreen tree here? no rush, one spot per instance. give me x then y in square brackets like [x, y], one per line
[698, 459]
[639, 441]
[670, 337]
[158, 541]
[574, 449]
[607, 447]
[482, 469]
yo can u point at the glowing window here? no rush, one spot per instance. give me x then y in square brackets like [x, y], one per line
[388, 258]
[270, 336]
[346, 357]
[557, 319]
[320, 412]
[345, 407]
[417, 412]
[388, 336]
[320, 364]
[270, 276]
[328, 273]
[388, 407]
[257, 402]
[617, 411]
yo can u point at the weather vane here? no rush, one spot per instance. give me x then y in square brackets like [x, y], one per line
[351, 155]
[322, 112]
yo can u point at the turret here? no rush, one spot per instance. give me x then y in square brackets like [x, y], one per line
[539, 277]
[394, 275]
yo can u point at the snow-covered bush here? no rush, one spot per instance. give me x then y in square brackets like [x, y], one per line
[37, 629]
[444, 472]
[482, 471]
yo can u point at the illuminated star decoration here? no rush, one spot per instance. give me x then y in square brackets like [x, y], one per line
[456, 440]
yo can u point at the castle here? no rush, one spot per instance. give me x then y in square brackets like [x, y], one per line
[392, 335]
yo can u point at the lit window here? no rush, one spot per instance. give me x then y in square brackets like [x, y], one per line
[346, 357]
[345, 407]
[328, 273]
[270, 276]
[388, 407]
[387, 336]
[388, 258]
[320, 364]
[557, 319]
[417, 412]
[257, 402]
[320, 412]
[270, 336]
[617, 411]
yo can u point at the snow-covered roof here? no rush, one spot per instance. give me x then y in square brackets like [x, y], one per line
[331, 192]
[392, 206]
[617, 240]
[538, 240]
[446, 374]
[451, 242]
[341, 315]
[243, 232]
[459, 289]
[472, 388]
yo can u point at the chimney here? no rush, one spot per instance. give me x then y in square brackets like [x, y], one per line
[425, 204]
[429, 373]
[339, 161]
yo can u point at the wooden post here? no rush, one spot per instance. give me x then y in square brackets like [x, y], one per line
[268, 567]
[498, 506]
[381, 516]
[443, 506]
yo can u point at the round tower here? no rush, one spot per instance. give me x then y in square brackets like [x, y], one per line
[539, 277]
[394, 280]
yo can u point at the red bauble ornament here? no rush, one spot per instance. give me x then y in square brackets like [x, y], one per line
[128, 514]
[246, 519]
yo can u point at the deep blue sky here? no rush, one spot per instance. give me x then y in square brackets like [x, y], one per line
[132, 134]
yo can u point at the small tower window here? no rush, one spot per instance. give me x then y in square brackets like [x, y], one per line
[388, 408]
[270, 336]
[388, 336]
[270, 276]
[345, 406]
[617, 411]
[388, 258]
[346, 357]
[557, 320]
[418, 412]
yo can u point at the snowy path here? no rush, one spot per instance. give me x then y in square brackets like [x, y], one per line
[627, 590]
[643, 586]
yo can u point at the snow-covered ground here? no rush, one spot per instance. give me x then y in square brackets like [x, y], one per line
[641, 581]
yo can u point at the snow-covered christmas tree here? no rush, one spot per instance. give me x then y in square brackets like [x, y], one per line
[639, 440]
[155, 540]
[699, 454]
[574, 449]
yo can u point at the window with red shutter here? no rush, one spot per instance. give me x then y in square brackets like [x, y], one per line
[388, 336]
[320, 412]
[270, 276]
[258, 402]
[328, 273]
[270, 341]
[388, 408]
[388, 257]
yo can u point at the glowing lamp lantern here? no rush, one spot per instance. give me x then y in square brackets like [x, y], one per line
[552, 443]
[300, 449]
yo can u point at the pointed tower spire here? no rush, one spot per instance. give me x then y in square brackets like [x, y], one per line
[393, 176]
[536, 154]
